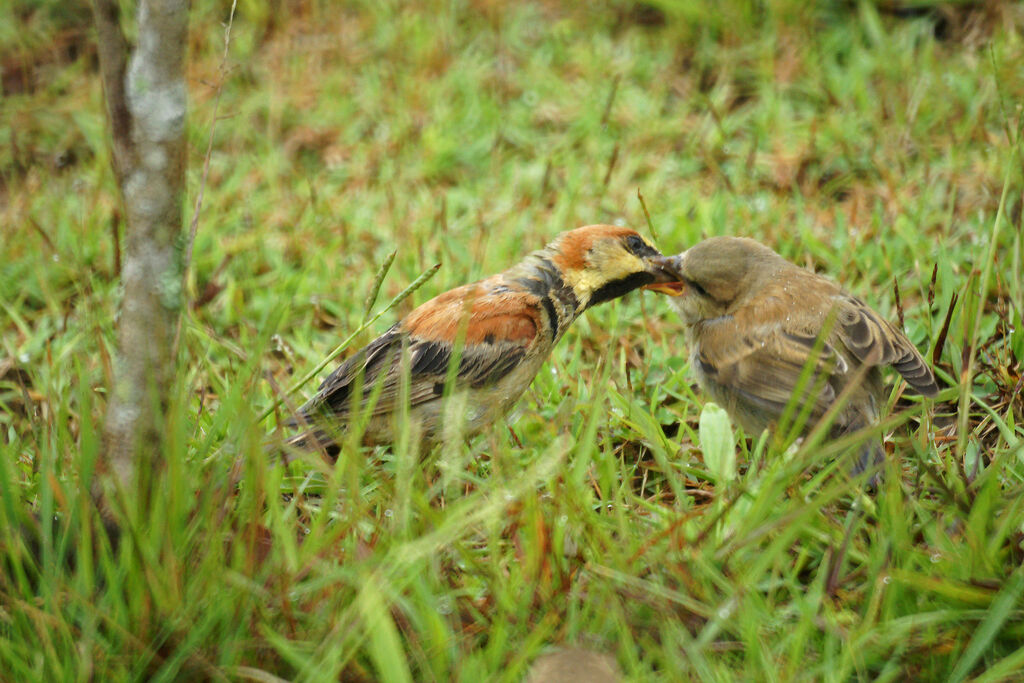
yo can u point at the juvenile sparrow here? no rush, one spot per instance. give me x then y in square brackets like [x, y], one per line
[753, 322]
[502, 328]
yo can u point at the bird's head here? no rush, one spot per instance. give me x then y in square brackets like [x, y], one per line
[603, 262]
[712, 276]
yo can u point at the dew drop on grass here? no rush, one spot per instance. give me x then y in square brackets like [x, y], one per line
[389, 513]
[444, 606]
[23, 358]
[936, 557]
[886, 580]
[563, 519]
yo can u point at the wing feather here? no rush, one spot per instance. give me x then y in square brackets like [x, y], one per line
[763, 368]
[501, 328]
[874, 341]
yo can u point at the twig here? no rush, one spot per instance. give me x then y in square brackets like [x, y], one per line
[940, 343]
[115, 235]
[931, 286]
[42, 233]
[222, 69]
[610, 101]
[643, 205]
[899, 302]
[835, 558]
[611, 167]
[194, 224]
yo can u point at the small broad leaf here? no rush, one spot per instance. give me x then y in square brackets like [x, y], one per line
[717, 442]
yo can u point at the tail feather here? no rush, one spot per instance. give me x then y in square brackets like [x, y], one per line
[870, 456]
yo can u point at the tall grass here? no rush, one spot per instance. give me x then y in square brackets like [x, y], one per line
[877, 145]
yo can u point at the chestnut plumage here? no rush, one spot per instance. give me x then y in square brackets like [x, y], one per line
[501, 329]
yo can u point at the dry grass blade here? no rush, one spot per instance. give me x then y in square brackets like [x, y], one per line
[647, 215]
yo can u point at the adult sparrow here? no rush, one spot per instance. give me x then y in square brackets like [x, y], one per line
[498, 332]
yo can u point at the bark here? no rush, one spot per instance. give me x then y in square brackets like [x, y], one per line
[146, 103]
[113, 53]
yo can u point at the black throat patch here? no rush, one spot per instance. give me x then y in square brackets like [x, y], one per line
[616, 288]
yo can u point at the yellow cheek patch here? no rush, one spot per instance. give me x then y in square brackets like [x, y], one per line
[587, 280]
[606, 261]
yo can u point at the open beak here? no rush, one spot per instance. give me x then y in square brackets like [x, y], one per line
[668, 279]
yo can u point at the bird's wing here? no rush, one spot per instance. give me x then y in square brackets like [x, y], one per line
[499, 328]
[764, 365]
[874, 341]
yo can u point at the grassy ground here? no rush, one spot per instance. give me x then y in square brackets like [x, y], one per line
[877, 144]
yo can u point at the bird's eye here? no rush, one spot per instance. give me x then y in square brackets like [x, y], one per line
[636, 245]
[696, 287]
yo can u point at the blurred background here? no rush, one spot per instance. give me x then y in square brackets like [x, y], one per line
[874, 141]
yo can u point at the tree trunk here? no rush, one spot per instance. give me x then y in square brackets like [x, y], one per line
[146, 102]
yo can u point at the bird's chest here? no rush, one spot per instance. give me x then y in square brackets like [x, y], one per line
[720, 393]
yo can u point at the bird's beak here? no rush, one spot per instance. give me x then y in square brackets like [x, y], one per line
[668, 279]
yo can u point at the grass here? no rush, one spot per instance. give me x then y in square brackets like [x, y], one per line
[876, 143]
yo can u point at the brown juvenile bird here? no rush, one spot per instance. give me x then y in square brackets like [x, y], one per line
[753, 320]
[508, 324]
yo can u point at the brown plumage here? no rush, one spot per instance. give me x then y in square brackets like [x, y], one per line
[753, 321]
[507, 323]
